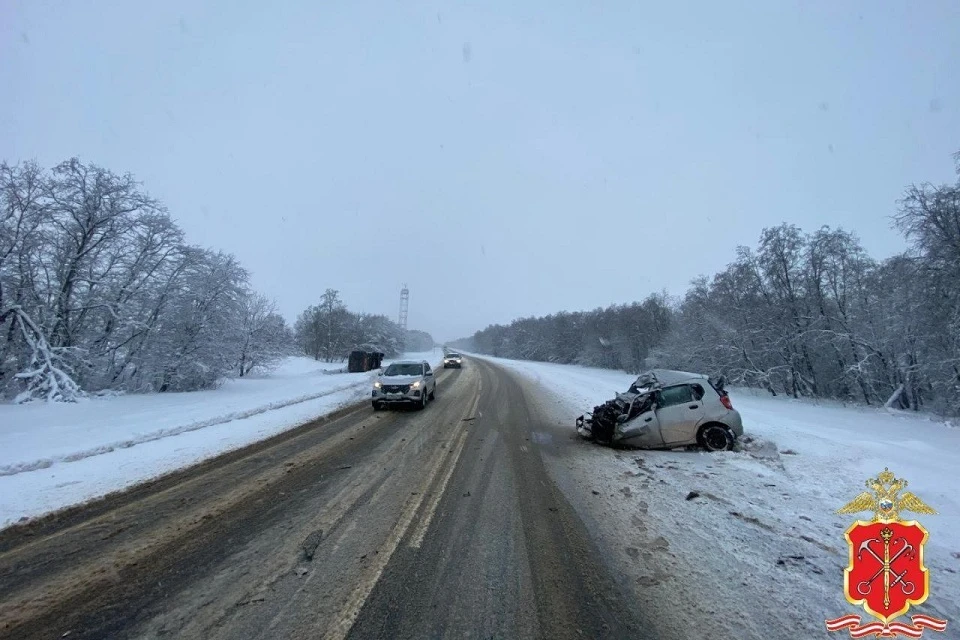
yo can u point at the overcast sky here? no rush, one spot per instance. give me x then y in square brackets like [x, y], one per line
[504, 159]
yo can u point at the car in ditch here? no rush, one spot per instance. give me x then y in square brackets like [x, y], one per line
[406, 382]
[452, 360]
[666, 409]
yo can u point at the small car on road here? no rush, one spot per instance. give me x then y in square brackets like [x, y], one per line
[452, 360]
[406, 382]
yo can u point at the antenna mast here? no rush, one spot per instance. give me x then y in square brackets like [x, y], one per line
[404, 306]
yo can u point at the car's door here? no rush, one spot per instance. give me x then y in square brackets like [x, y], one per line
[642, 431]
[431, 385]
[679, 411]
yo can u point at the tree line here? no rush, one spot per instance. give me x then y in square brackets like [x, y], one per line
[807, 314]
[329, 331]
[100, 290]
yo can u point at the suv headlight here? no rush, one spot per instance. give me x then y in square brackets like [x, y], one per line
[377, 384]
[415, 385]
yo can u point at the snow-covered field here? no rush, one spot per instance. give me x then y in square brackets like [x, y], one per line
[747, 544]
[56, 455]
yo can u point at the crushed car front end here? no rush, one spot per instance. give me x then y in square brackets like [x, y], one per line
[606, 422]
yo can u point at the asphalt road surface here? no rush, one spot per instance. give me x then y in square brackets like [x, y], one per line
[440, 523]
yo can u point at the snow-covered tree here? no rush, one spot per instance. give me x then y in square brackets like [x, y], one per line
[99, 290]
[329, 331]
[264, 336]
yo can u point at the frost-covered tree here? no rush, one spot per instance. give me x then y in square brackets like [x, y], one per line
[323, 331]
[202, 327]
[619, 336]
[329, 331]
[99, 290]
[264, 336]
[376, 333]
[22, 215]
[929, 216]
[416, 340]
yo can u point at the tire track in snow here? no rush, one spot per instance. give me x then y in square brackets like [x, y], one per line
[44, 463]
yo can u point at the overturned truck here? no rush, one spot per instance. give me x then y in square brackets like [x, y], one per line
[665, 409]
[364, 360]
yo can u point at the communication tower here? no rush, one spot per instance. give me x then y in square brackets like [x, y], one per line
[404, 306]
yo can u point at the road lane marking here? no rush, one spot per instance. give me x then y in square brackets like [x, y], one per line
[416, 538]
[424, 524]
[348, 615]
[327, 521]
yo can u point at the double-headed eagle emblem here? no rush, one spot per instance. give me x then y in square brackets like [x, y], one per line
[885, 501]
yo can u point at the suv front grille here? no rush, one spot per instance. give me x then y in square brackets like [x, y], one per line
[396, 388]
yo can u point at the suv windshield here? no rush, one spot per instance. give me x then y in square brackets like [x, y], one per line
[453, 355]
[404, 370]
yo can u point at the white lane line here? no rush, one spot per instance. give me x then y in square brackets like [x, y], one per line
[326, 522]
[418, 534]
[424, 524]
[348, 615]
[343, 622]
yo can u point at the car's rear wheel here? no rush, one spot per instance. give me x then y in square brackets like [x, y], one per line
[433, 394]
[715, 437]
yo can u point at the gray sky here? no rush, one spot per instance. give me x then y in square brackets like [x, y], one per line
[505, 159]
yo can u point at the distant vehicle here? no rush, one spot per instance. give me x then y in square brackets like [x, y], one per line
[665, 409]
[452, 360]
[361, 360]
[408, 382]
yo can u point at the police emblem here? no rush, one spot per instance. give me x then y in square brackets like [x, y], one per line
[885, 574]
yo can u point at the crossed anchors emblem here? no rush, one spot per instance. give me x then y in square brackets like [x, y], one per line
[865, 587]
[886, 575]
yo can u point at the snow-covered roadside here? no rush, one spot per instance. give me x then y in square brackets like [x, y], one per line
[57, 455]
[747, 544]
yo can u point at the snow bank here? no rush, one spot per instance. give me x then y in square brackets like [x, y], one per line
[746, 544]
[56, 455]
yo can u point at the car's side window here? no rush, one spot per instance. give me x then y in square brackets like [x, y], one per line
[426, 369]
[697, 391]
[676, 395]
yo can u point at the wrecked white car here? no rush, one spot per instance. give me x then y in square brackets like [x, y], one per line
[665, 409]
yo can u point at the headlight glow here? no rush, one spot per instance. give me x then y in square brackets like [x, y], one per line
[415, 385]
[377, 384]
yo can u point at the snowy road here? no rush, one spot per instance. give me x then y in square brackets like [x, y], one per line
[57, 455]
[485, 517]
[442, 523]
